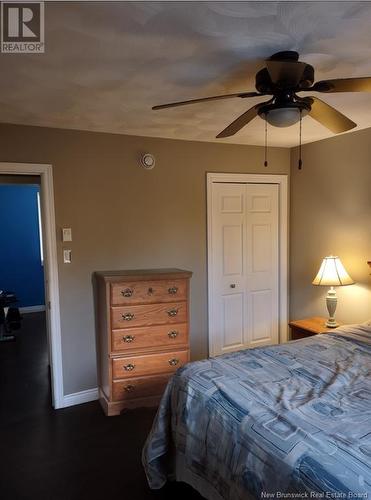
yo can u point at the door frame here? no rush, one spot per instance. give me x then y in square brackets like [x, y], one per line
[282, 182]
[45, 172]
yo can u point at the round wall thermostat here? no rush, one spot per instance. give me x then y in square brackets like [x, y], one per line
[147, 161]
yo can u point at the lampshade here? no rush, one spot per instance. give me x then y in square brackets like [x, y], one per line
[332, 273]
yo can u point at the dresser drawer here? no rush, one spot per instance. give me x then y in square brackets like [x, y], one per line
[148, 314]
[149, 337]
[147, 364]
[139, 292]
[141, 387]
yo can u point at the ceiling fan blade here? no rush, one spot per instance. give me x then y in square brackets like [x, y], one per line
[362, 84]
[205, 99]
[285, 73]
[330, 117]
[240, 122]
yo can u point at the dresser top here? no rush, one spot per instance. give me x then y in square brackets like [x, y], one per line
[143, 274]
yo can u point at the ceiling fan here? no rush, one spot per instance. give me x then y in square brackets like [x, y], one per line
[282, 78]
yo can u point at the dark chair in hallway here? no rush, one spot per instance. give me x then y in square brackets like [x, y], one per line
[10, 320]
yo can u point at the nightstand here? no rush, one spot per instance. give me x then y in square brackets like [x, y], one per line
[302, 328]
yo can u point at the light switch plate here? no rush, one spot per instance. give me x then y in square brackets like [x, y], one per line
[67, 256]
[66, 234]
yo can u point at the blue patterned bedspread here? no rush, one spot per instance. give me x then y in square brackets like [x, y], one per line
[287, 421]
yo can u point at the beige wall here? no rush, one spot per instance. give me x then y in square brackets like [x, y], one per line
[125, 217]
[331, 214]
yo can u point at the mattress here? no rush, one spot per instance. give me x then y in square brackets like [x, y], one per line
[287, 421]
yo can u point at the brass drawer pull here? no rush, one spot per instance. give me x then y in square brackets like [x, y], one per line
[128, 292]
[172, 312]
[150, 290]
[128, 338]
[172, 290]
[173, 362]
[129, 368]
[173, 334]
[129, 388]
[127, 316]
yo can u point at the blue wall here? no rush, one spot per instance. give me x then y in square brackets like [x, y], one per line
[21, 270]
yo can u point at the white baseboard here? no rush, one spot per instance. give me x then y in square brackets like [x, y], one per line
[32, 309]
[77, 398]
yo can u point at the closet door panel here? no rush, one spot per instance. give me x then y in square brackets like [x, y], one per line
[262, 263]
[228, 257]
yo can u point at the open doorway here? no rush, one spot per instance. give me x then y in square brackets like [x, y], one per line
[24, 352]
[47, 323]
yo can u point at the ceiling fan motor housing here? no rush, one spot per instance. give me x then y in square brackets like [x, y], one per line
[264, 84]
[285, 55]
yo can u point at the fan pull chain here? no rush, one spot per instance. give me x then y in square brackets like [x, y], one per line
[266, 143]
[300, 162]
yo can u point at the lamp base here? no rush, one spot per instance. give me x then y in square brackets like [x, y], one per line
[331, 323]
[331, 302]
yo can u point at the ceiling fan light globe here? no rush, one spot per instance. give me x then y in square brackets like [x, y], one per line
[283, 117]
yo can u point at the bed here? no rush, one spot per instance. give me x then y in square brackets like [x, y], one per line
[286, 421]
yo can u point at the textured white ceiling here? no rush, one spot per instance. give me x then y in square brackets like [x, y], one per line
[107, 63]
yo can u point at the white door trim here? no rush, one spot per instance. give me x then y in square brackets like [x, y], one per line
[50, 267]
[282, 181]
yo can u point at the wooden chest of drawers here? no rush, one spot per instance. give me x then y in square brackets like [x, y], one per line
[142, 334]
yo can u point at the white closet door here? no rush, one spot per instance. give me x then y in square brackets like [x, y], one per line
[244, 264]
[262, 263]
[229, 294]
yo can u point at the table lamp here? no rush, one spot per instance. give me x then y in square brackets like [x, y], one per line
[332, 273]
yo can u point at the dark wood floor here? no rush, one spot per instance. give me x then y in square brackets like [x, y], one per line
[74, 453]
